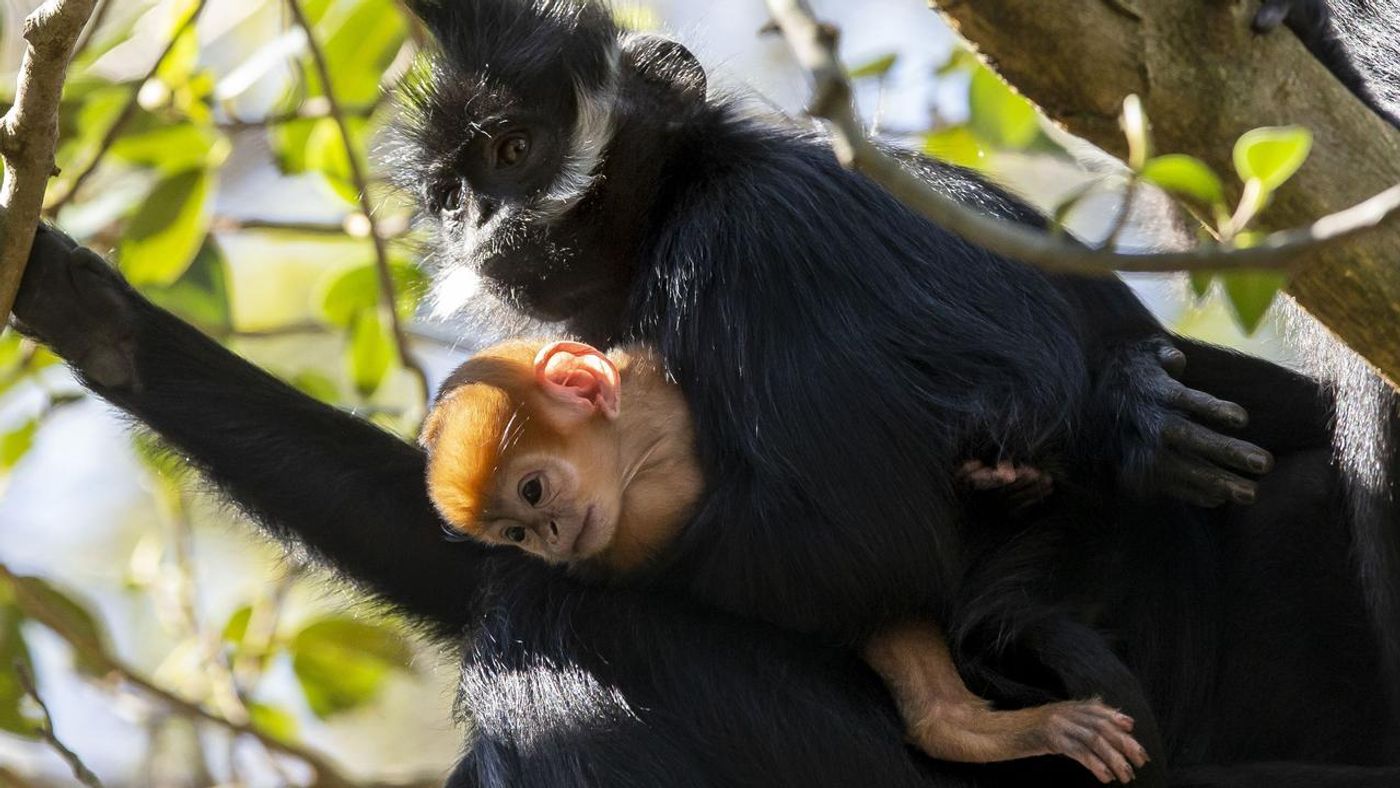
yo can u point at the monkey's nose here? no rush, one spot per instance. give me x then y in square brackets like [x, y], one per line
[553, 537]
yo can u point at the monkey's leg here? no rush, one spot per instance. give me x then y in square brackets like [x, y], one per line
[349, 491]
[946, 720]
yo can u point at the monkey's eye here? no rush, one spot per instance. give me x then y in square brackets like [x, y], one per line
[446, 197]
[532, 489]
[511, 149]
[515, 533]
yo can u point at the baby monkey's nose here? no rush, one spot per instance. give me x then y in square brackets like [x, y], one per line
[553, 531]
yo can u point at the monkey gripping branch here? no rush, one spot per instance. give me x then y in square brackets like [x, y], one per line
[29, 132]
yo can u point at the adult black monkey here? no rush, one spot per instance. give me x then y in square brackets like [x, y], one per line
[710, 704]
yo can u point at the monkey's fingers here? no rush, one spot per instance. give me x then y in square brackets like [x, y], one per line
[1192, 439]
[1203, 485]
[1204, 406]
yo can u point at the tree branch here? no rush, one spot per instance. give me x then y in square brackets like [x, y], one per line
[80, 770]
[128, 111]
[94, 654]
[814, 44]
[29, 132]
[388, 298]
[1205, 78]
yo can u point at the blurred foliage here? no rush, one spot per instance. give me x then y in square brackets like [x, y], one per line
[152, 119]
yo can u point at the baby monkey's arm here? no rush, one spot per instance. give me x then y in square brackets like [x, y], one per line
[947, 721]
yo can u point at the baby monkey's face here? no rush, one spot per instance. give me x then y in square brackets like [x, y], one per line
[561, 506]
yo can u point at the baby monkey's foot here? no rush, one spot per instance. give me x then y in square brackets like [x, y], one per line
[1098, 737]
[1091, 733]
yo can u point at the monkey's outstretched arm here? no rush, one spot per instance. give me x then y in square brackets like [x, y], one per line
[347, 490]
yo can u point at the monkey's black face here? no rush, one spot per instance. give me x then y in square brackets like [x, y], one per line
[535, 165]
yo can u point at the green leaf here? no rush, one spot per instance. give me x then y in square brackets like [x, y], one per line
[39, 599]
[273, 721]
[999, 116]
[1272, 154]
[371, 351]
[876, 67]
[200, 295]
[236, 628]
[955, 145]
[14, 651]
[159, 460]
[360, 41]
[325, 153]
[341, 663]
[1251, 293]
[1185, 176]
[317, 386]
[960, 59]
[345, 295]
[1200, 282]
[289, 141]
[168, 229]
[174, 148]
[11, 349]
[15, 443]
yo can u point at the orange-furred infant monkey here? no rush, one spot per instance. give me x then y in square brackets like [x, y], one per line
[530, 447]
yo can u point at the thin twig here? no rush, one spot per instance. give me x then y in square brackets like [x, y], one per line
[814, 45]
[388, 299]
[128, 111]
[94, 654]
[29, 133]
[80, 770]
[1125, 211]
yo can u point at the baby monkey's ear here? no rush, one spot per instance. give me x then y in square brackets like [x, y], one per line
[580, 378]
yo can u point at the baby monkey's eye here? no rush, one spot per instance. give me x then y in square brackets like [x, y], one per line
[532, 490]
[515, 533]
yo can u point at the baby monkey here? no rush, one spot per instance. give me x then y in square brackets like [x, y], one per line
[530, 447]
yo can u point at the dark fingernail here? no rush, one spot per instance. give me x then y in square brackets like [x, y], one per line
[1242, 494]
[1261, 462]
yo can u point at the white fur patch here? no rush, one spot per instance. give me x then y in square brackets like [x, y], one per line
[592, 132]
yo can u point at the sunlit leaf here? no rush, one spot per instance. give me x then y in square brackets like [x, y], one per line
[955, 145]
[1185, 176]
[11, 349]
[317, 386]
[325, 153]
[342, 663]
[370, 353]
[960, 59]
[636, 16]
[15, 443]
[360, 41]
[1251, 293]
[1200, 282]
[39, 599]
[348, 293]
[273, 721]
[1272, 154]
[236, 628]
[159, 459]
[14, 651]
[182, 146]
[168, 229]
[201, 294]
[999, 116]
[876, 67]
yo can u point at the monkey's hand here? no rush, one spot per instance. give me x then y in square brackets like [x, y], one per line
[73, 301]
[1194, 462]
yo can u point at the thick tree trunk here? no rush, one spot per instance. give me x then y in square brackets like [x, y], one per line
[1205, 78]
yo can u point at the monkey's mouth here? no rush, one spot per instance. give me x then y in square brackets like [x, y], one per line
[586, 529]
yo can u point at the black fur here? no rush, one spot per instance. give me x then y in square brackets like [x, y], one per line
[814, 324]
